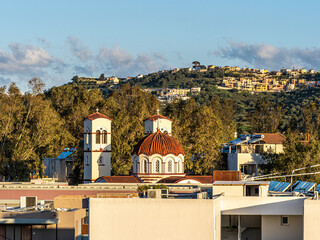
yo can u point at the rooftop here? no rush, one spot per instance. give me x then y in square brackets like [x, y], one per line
[97, 115]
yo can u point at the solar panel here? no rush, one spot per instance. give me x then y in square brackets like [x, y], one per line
[64, 155]
[303, 187]
[278, 186]
[272, 185]
[298, 186]
[284, 187]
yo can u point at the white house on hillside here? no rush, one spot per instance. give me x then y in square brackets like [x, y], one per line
[244, 153]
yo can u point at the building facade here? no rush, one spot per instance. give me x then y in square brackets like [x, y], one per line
[97, 147]
[158, 155]
[244, 153]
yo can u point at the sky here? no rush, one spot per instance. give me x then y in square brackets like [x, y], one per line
[56, 40]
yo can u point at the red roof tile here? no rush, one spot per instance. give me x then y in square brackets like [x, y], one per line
[158, 143]
[97, 115]
[119, 179]
[272, 138]
[157, 116]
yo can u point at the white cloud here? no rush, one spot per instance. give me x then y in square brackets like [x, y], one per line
[23, 59]
[270, 57]
[78, 49]
[120, 62]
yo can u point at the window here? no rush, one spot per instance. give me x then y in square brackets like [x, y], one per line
[87, 137]
[170, 166]
[136, 170]
[101, 160]
[157, 166]
[97, 137]
[104, 137]
[145, 166]
[284, 220]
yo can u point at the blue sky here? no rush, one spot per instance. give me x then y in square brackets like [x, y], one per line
[55, 40]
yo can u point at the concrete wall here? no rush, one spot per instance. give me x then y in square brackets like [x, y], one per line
[262, 205]
[311, 220]
[217, 218]
[236, 159]
[228, 191]
[271, 228]
[155, 219]
[70, 202]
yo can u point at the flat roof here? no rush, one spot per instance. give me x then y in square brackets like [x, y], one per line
[241, 183]
[30, 221]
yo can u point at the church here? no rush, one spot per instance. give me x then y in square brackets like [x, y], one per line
[157, 156]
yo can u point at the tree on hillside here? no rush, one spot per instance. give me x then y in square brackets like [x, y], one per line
[199, 131]
[31, 131]
[266, 117]
[74, 103]
[297, 154]
[102, 78]
[196, 63]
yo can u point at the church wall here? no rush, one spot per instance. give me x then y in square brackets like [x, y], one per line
[157, 219]
[97, 154]
[153, 125]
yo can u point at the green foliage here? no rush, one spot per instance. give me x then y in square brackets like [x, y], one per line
[297, 154]
[201, 132]
[30, 130]
[266, 117]
[128, 107]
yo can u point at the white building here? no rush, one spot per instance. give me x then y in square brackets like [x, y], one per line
[97, 147]
[239, 210]
[244, 153]
[60, 168]
[158, 155]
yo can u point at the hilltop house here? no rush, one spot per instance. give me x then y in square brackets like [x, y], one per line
[244, 153]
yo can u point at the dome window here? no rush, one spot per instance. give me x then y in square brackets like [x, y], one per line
[145, 166]
[170, 166]
[157, 166]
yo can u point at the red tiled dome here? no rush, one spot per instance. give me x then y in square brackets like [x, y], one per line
[158, 143]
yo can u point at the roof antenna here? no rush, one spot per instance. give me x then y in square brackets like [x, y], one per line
[97, 109]
[158, 111]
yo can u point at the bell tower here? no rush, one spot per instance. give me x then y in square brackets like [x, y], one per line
[97, 147]
[155, 122]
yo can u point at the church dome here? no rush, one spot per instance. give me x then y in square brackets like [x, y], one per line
[158, 143]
